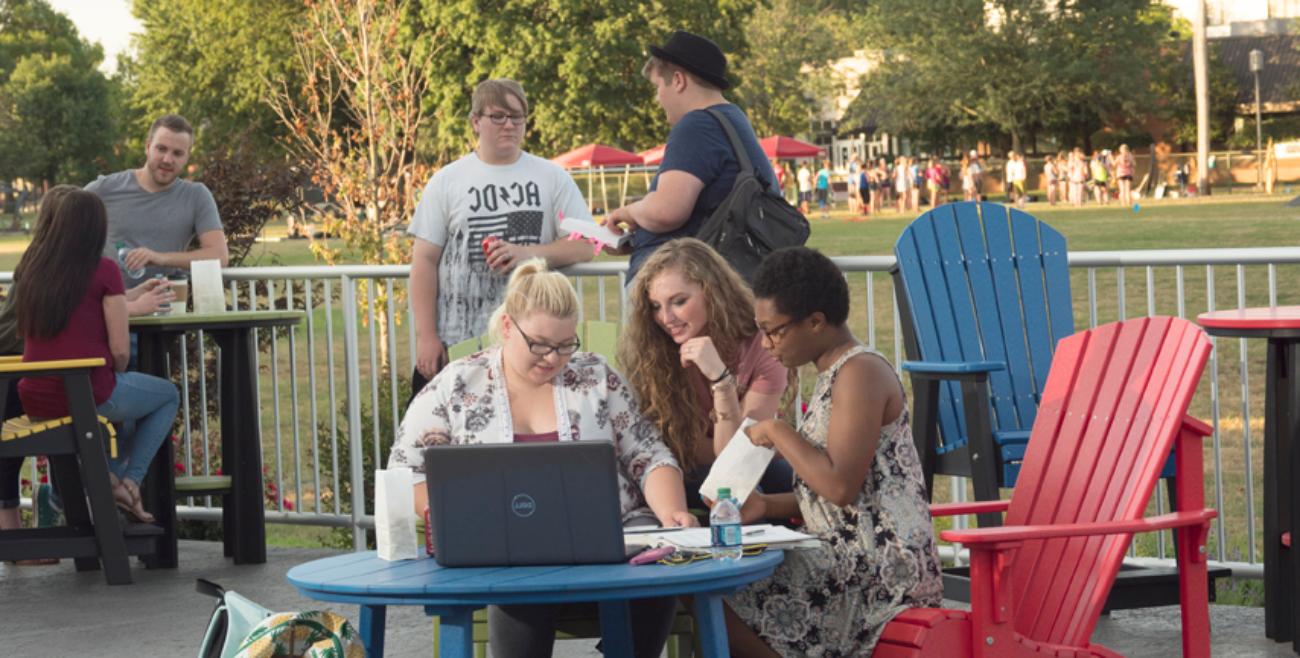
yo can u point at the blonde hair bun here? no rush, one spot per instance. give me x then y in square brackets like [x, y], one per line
[534, 287]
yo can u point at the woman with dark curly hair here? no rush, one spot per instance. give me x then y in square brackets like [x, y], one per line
[694, 357]
[858, 484]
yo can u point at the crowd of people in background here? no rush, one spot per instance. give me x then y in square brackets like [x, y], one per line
[906, 182]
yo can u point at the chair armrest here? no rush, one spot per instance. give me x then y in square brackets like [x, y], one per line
[1015, 534]
[952, 369]
[977, 507]
[49, 367]
[1197, 426]
[11, 358]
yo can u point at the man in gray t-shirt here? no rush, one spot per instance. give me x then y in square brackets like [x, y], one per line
[156, 214]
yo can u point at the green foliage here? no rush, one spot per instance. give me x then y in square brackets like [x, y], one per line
[971, 69]
[579, 61]
[32, 27]
[56, 116]
[249, 189]
[784, 73]
[342, 537]
[211, 61]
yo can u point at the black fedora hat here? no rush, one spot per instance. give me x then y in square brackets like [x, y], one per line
[697, 55]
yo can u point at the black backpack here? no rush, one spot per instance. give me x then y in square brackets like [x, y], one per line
[751, 222]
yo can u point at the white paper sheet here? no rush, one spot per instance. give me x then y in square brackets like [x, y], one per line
[596, 231]
[739, 467]
[776, 536]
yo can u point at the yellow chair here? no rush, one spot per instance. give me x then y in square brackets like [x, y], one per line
[75, 446]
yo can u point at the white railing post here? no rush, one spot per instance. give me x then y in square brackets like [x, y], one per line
[352, 370]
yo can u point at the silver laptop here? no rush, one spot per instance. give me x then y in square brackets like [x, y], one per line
[524, 503]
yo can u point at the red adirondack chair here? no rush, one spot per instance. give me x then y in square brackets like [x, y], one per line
[1114, 402]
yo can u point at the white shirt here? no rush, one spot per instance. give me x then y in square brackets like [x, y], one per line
[467, 201]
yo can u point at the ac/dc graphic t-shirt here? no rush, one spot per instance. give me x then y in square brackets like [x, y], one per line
[469, 200]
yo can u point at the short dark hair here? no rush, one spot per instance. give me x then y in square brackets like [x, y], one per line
[802, 281]
[173, 122]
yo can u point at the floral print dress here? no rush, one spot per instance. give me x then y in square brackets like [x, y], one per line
[877, 556]
[466, 403]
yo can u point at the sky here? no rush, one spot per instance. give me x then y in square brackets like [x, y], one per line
[108, 22]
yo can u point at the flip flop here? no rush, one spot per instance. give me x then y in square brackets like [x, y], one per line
[126, 493]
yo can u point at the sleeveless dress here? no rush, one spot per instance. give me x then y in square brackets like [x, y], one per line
[877, 557]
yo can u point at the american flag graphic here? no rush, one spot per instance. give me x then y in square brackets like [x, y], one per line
[521, 227]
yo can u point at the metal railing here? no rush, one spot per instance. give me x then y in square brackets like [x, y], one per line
[331, 389]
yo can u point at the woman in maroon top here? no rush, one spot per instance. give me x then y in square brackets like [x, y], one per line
[695, 358]
[71, 304]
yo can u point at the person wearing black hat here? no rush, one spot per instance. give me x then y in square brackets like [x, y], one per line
[689, 73]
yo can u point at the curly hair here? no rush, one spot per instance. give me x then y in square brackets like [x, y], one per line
[652, 360]
[819, 285]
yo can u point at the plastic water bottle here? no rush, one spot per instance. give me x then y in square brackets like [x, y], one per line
[122, 251]
[724, 524]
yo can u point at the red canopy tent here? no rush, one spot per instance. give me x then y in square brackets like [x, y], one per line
[599, 156]
[655, 155]
[779, 146]
[596, 155]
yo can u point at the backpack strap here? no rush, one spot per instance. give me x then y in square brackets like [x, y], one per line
[742, 153]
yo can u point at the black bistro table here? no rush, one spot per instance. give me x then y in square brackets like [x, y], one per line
[1280, 325]
[241, 438]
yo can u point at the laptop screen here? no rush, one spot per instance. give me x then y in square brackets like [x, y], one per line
[524, 503]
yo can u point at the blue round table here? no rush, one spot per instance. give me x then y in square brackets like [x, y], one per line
[455, 593]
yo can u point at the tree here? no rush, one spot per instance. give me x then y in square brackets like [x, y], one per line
[354, 121]
[58, 119]
[579, 61]
[55, 105]
[1014, 67]
[785, 73]
[211, 61]
[33, 27]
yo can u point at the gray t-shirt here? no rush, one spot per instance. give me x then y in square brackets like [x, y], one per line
[467, 201]
[165, 221]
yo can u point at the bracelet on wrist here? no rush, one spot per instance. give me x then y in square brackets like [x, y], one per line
[726, 372]
[722, 385]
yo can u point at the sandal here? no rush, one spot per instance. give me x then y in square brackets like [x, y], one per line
[126, 493]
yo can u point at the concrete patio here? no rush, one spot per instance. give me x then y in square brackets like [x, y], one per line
[161, 614]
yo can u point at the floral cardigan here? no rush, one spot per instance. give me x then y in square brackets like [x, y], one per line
[466, 403]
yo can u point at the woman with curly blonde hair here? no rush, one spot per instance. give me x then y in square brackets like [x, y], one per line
[693, 355]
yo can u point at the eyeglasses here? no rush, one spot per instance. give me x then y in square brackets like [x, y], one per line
[775, 335]
[683, 556]
[498, 119]
[542, 349]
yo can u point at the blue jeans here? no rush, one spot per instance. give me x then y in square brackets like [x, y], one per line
[149, 403]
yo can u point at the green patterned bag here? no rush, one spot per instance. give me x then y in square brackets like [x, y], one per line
[312, 634]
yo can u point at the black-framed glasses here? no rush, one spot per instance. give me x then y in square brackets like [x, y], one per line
[499, 119]
[542, 349]
[775, 335]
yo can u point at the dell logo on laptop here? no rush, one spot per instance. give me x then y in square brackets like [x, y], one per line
[523, 505]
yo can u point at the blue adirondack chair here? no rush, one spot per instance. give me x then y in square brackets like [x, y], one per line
[984, 294]
[984, 297]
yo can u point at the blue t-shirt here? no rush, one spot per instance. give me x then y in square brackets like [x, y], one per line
[698, 145]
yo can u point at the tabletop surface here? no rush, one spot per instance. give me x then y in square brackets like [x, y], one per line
[1265, 317]
[362, 574]
[226, 318]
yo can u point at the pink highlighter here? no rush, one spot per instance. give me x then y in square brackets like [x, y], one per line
[652, 555]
